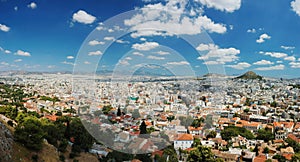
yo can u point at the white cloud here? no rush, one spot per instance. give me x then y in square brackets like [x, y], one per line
[211, 63]
[263, 62]
[240, 66]
[123, 62]
[22, 53]
[155, 57]
[110, 30]
[32, 5]
[4, 63]
[162, 52]
[145, 46]
[178, 63]
[128, 58]
[296, 6]
[138, 54]
[86, 62]
[7, 51]
[222, 5]
[122, 41]
[172, 18]
[109, 38]
[276, 67]
[274, 54]
[95, 53]
[16, 8]
[287, 47]
[221, 55]
[251, 30]
[18, 60]
[83, 17]
[68, 63]
[70, 57]
[290, 58]
[51, 66]
[263, 38]
[95, 42]
[4, 28]
[143, 39]
[295, 64]
[279, 62]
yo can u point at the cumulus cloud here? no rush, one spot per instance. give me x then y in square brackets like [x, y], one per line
[22, 53]
[124, 62]
[263, 62]
[296, 6]
[178, 63]
[287, 47]
[7, 51]
[122, 41]
[221, 55]
[228, 5]
[240, 66]
[211, 63]
[68, 63]
[4, 28]
[263, 38]
[95, 53]
[83, 17]
[32, 5]
[162, 52]
[86, 62]
[70, 57]
[18, 60]
[137, 53]
[274, 54]
[294, 65]
[95, 42]
[145, 46]
[251, 30]
[290, 58]
[172, 18]
[155, 57]
[276, 67]
[51, 66]
[4, 63]
[109, 38]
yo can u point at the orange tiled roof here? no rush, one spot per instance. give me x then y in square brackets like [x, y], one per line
[51, 117]
[260, 158]
[185, 137]
[288, 156]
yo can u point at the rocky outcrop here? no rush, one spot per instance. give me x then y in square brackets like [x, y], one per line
[6, 141]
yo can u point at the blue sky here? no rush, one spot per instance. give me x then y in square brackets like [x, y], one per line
[184, 36]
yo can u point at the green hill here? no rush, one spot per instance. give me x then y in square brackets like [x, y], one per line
[250, 75]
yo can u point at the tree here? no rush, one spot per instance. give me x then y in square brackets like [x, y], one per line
[233, 131]
[280, 158]
[296, 157]
[211, 134]
[186, 121]
[143, 128]
[119, 112]
[265, 135]
[82, 138]
[30, 133]
[201, 153]
[246, 110]
[266, 150]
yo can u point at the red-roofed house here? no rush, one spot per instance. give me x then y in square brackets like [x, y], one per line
[183, 141]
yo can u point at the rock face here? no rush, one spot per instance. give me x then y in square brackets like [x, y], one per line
[250, 75]
[6, 140]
